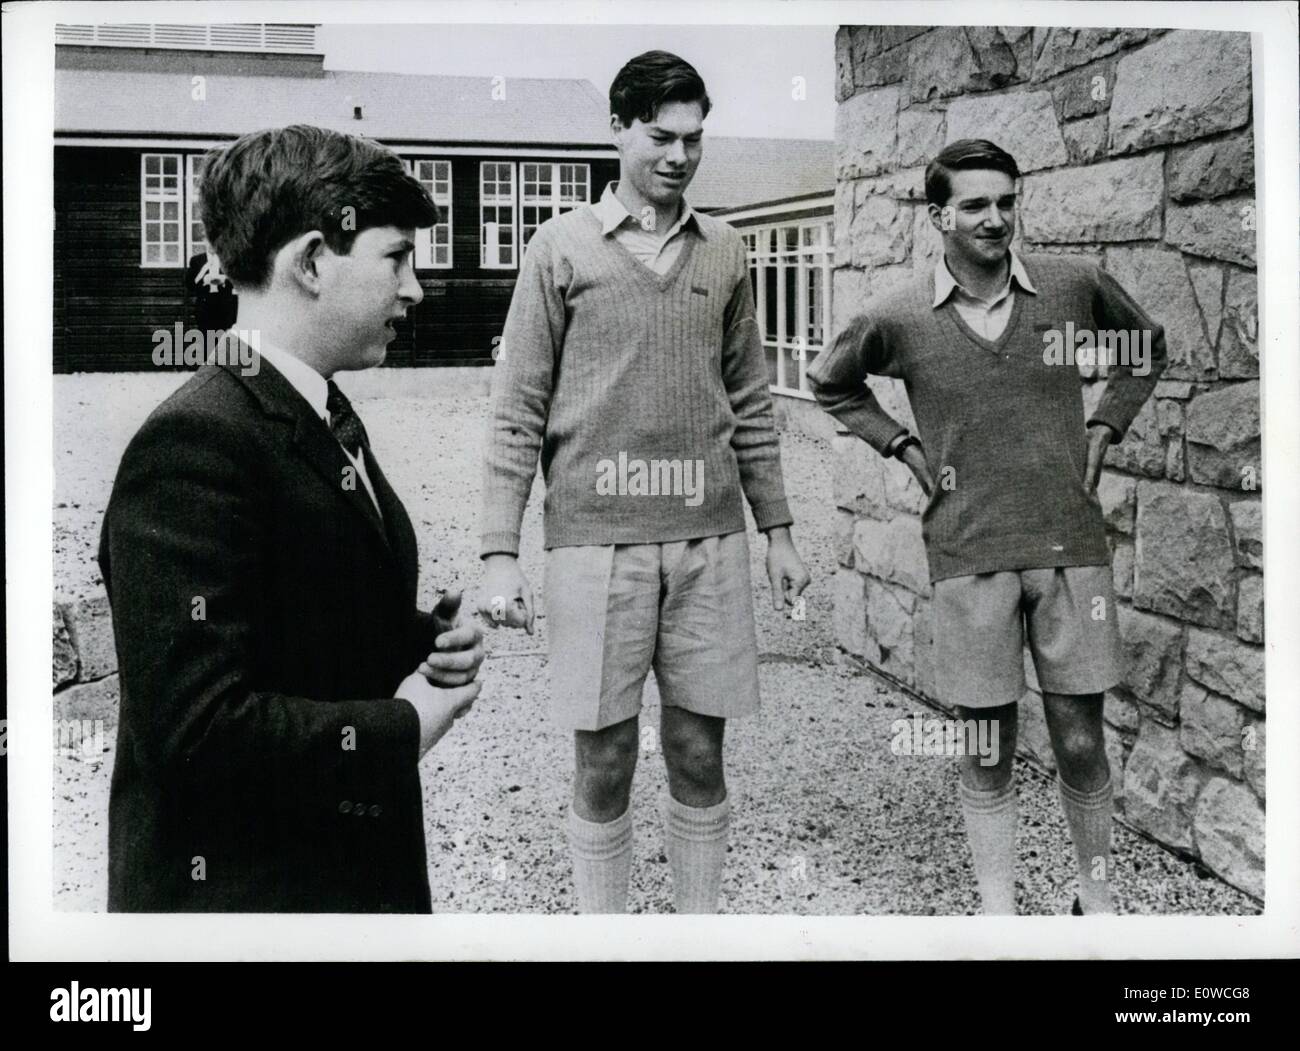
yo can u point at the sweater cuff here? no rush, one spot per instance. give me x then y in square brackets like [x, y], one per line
[1114, 417]
[772, 513]
[499, 543]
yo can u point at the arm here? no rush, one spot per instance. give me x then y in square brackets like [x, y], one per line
[1126, 388]
[756, 445]
[838, 381]
[744, 375]
[187, 521]
[522, 382]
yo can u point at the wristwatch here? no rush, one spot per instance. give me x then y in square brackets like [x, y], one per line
[903, 443]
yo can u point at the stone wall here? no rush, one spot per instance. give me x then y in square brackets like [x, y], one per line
[85, 667]
[1138, 153]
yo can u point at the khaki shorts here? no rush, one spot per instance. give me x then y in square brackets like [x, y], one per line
[982, 622]
[684, 608]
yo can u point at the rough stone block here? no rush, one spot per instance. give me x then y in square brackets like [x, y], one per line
[947, 61]
[858, 476]
[920, 135]
[1253, 746]
[1122, 713]
[1184, 86]
[902, 490]
[1230, 834]
[90, 701]
[1122, 570]
[866, 133]
[1086, 92]
[1152, 660]
[1221, 229]
[1085, 139]
[1212, 169]
[881, 231]
[1115, 201]
[927, 245]
[1118, 496]
[1207, 280]
[1183, 557]
[850, 290]
[885, 67]
[1223, 436]
[1025, 122]
[90, 627]
[843, 63]
[65, 654]
[850, 613]
[1250, 608]
[1058, 49]
[844, 538]
[1117, 757]
[889, 643]
[892, 551]
[1211, 728]
[1227, 666]
[1160, 786]
[1238, 342]
[1141, 451]
[1159, 282]
[1175, 461]
[1248, 529]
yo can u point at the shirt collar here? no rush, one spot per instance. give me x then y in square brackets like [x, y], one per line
[612, 213]
[945, 283]
[301, 376]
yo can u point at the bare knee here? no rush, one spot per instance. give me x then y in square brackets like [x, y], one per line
[693, 756]
[605, 761]
[989, 766]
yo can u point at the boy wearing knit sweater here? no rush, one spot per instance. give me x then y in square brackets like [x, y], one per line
[986, 347]
[631, 363]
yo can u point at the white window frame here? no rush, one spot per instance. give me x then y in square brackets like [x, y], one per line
[162, 198]
[817, 256]
[497, 201]
[555, 200]
[425, 170]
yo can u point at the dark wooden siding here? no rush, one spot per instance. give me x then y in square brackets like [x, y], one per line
[106, 306]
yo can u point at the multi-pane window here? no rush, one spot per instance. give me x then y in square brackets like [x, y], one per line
[497, 215]
[790, 267]
[162, 202]
[194, 206]
[433, 246]
[548, 190]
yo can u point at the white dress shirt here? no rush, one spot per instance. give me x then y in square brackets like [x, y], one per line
[658, 253]
[987, 317]
[312, 386]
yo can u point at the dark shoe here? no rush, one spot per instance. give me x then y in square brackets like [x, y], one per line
[1076, 909]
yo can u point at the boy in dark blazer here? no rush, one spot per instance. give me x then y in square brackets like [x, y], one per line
[279, 684]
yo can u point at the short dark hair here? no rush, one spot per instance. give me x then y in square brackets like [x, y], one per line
[964, 155]
[268, 187]
[648, 81]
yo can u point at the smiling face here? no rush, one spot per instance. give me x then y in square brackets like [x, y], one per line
[363, 293]
[658, 160]
[979, 218]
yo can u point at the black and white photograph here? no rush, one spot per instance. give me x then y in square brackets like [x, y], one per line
[807, 465]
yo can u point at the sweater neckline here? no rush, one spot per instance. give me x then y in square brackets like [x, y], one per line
[661, 281]
[995, 346]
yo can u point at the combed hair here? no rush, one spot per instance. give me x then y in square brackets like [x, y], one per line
[268, 187]
[965, 155]
[648, 81]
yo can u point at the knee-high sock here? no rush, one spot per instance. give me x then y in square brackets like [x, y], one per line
[602, 861]
[696, 841]
[990, 816]
[1089, 816]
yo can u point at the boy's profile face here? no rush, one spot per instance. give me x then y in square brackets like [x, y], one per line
[363, 293]
[659, 158]
[979, 220]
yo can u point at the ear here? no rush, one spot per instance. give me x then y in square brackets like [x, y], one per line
[616, 127]
[935, 212]
[301, 258]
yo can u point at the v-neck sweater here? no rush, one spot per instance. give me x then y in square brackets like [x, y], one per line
[645, 395]
[1001, 425]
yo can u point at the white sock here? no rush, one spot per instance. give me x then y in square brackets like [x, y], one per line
[1089, 816]
[602, 861]
[696, 841]
[990, 816]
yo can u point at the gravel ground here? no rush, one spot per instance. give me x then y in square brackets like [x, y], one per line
[826, 820]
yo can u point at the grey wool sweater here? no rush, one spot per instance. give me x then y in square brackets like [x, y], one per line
[645, 395]
[1002, 427]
